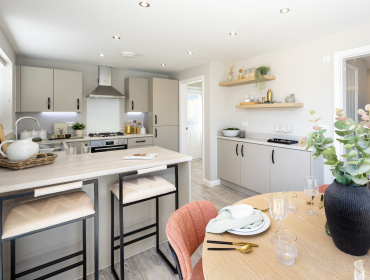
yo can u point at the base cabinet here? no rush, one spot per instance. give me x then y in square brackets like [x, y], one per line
[166, 137]
[263, 168]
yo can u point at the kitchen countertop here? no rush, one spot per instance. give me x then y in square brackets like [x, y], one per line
[100, 164]
[263, 142]
[88, 138]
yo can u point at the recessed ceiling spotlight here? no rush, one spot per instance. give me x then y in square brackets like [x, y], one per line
[190, 53]
[144, 4]
[115, 37]
[163, 64]
[284, 11]
[100, 54]
[233, 33]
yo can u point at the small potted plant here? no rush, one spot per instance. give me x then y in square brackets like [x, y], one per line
[78, 128]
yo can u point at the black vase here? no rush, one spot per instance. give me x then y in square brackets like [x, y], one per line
[347, 211]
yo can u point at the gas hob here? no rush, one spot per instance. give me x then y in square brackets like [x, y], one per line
[106, 134]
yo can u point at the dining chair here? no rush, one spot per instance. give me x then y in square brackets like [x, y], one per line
[323, 188]
[185, 230]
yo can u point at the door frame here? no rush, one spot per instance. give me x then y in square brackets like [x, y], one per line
[183, 114]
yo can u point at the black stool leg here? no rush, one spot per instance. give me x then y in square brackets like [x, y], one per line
[84, 248]
[122, 248]
[112, 232]
[157, 224]
[12, 259]
[1, 260]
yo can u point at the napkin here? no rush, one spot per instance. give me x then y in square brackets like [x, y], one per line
[141, 156]
[223, 222]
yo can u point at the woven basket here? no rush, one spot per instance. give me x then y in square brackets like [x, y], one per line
[35, 160]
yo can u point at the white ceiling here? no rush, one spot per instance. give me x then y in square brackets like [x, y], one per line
[77, 30]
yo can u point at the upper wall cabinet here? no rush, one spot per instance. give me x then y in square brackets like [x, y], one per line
[37, 93]
[49, 90]
[67, 91]
[136, 91]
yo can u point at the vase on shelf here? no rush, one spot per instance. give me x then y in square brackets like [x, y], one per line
[230, 76]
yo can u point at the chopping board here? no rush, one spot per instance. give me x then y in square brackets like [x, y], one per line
[249, 103]
[2, 138]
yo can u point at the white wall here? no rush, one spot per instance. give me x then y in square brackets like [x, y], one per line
[361, 64]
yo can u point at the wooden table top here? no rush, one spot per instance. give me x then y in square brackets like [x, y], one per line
[318, 257]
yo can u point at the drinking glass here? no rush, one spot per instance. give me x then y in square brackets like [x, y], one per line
[278, 208]
[278, 130]
[362, 270]
[311, 188]
[291, 201]
[71, 153]
[286, 246]
[86, 152]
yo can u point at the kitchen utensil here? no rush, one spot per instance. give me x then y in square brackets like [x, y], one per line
[20, 149]
[245, 249]
[230, 133]
[264, 209]
[321, 204]
[266, 225]
[25, 134]
[278, 209]
[362, 270]
[286, 246]
[232, 243]
[311, 188]
[244, 230]
[71, 153]
[2, 138]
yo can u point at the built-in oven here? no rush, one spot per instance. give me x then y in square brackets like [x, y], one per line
[108, 145]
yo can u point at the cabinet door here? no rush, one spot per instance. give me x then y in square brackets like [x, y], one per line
[36, 89]
[228, 160]
[136, 90]
[165, 102]
[255, 167]
[67, 91]
[166, 137]
[288, 168]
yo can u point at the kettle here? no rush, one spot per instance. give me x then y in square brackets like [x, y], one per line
[20, 149]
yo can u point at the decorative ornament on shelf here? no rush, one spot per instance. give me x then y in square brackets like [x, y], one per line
[347, 199]
[231, 67]
[259, 74]
[240, 77]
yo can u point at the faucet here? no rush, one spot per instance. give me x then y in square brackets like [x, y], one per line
[16, 125]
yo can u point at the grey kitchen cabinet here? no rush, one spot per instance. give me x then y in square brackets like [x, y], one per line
[136, 91]
[288, 168]
[137, 142]
[166, 137]
[36, 89]
[255, 167]
[228, 162]
[164, 101]
[67, 91]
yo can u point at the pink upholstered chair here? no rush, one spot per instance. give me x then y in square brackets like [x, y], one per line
[323, 188]
[185, 230]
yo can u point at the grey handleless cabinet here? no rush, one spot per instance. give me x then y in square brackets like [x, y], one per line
[136, 91]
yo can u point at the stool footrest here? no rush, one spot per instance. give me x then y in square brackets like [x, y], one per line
[60, 271]
[37, 268]
[135, 240]
[135, 231]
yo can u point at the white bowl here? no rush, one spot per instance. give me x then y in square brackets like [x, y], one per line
[241, 211]
[230, 133]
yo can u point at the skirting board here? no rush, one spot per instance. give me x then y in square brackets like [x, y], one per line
[211, 183]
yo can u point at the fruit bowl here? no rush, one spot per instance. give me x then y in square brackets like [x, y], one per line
[230, 132]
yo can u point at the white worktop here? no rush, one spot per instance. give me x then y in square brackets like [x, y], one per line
[263, 142]
[100, 164]
[88, 138]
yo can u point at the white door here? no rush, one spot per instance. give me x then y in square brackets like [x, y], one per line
[194, 123]
[351, 99]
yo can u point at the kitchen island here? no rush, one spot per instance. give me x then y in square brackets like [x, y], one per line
[33, 250]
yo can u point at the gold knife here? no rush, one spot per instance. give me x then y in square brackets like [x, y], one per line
[321, 205]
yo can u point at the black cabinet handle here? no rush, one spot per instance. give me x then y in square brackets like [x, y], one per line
[242, 150]
[142, 141]
[237, 145]
[155, 119]
[48, 103]
[78, 104]
[272, 156]
[132, 105]
[155, 133]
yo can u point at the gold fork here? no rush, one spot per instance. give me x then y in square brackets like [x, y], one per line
[245, 249]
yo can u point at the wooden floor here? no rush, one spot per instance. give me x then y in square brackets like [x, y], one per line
[147, 264]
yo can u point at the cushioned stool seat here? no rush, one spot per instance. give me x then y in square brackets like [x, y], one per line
[34, 215]
[141, 188]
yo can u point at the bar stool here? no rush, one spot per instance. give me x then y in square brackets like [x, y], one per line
[135, 190]
[46, 213]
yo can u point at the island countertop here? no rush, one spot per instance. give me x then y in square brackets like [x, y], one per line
[100, 164]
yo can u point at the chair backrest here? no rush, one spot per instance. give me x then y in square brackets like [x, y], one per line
[323, 188]
[186, 229]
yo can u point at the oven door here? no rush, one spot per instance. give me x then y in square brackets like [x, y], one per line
[108, 148]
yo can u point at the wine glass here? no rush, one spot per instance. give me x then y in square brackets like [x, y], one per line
[277, 130]
[278, 209]
[289, 130]
[311, 188]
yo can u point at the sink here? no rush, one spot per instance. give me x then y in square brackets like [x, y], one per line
[52, 147]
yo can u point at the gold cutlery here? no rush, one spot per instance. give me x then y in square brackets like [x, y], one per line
[321, 205]
[262, 209]
[232, 243]
[245, 249]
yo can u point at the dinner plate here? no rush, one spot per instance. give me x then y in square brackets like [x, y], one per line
[265, 226]
[250, 229]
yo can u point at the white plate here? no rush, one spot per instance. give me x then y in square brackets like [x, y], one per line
[250, 229]
[266, 225]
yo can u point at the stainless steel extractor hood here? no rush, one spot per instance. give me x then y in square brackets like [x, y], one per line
[105, 89]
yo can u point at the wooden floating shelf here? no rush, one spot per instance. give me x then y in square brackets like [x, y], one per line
[245, 81]
[273, 105]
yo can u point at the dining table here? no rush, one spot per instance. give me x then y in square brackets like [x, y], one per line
[317, 258]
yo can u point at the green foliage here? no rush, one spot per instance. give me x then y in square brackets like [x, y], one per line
[78, 126]
[259, 75]
[352, 168]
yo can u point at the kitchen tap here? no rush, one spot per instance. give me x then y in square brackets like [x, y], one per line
[16, 125]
